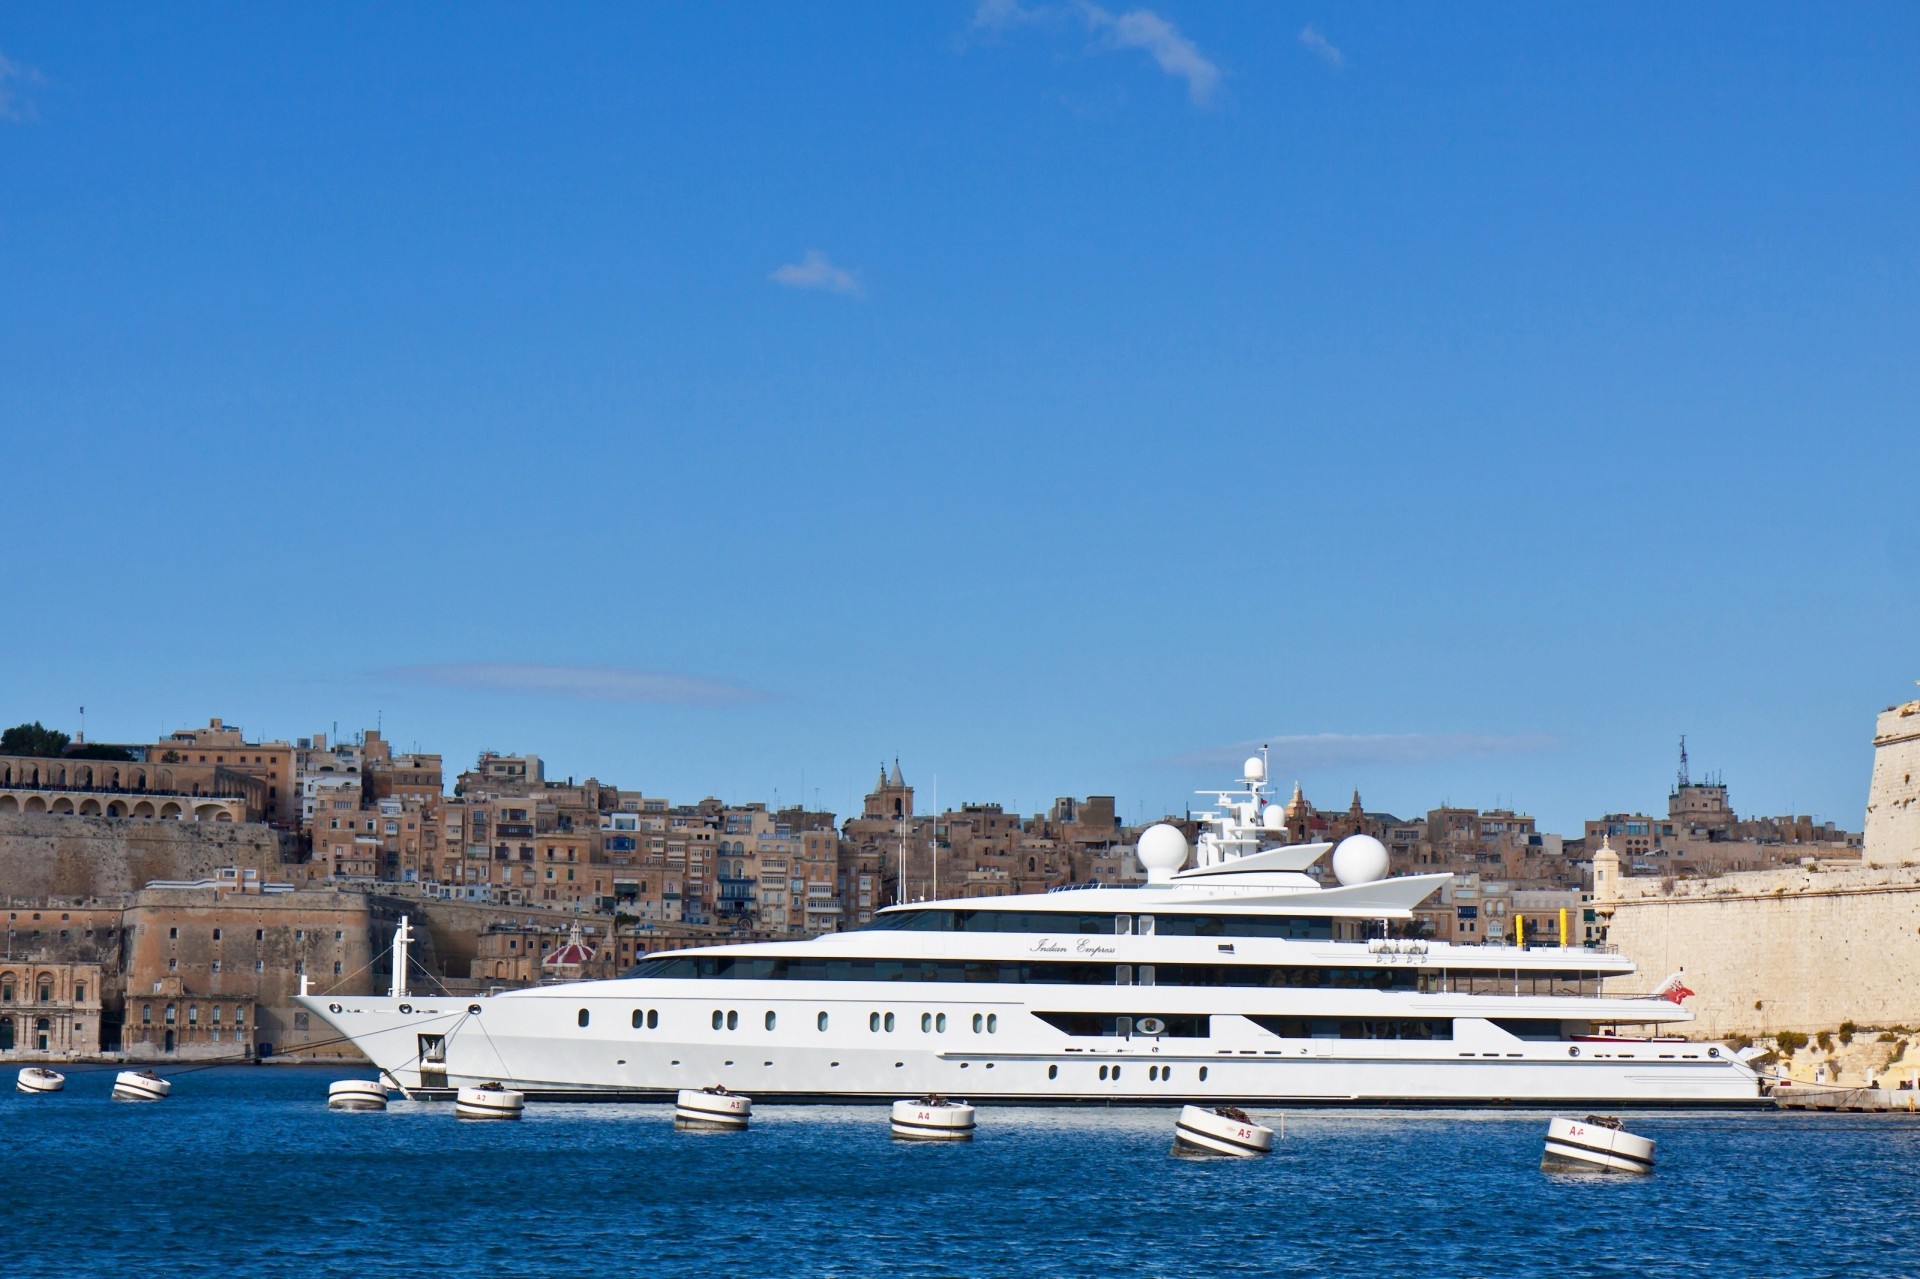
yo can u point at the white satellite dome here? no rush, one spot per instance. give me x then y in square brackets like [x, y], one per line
[1360, 859]
[1162, 850]
[1254, 770]
[1274, 818]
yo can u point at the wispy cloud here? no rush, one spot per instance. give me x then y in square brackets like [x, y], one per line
[14, 78]
[815, 271]
[1356, 750]
[1140, 29]
[1321, 47]
[1146, 30]
[582, 683]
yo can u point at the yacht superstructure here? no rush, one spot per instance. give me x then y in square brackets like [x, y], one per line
[1239, 978]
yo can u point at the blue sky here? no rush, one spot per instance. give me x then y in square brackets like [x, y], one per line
[1471, 399]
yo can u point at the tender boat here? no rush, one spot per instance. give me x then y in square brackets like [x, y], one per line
[1232, 976]
[712, 1107]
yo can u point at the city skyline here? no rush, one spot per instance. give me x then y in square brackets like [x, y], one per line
[1057, 397]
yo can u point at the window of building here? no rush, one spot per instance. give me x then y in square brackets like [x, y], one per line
[193, 1014]
[214, 966]
[170, 1015]
[146, 1014]
[173, 934]
[216, 934]
[240, 1015]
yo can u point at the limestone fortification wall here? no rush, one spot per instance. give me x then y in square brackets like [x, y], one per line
[1893, 798]
[43, 855]
[1780, 950]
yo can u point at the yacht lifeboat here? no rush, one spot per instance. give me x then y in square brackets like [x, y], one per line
[489, 1101]
[1224, 1130]
[713, 1107]
[140, 1085]
[35, 1079]
[356, 1094]
[1595, 1144]
[932, 1118]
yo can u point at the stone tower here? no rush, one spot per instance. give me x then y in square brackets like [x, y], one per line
[1893, 798]
[891, 797]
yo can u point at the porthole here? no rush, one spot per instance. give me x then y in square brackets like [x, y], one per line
[653, 1019]
[821, 1021]
[770, 1019]
[1713, 1052]
[639, 1019]
[926, 1023]
[977, 1021]
[873, 1021]
[718, 1019]
[473, 1009]
[993, 1023]
[1203, 1074]
[584, 1017]
[939, 1023]
[1116, 1072]
[733, 1020]
[1573, 1052]
[1053, 1072]
[1103, 1072]
[887, 1021]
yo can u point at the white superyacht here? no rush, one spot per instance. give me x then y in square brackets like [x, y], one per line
[1239, 978]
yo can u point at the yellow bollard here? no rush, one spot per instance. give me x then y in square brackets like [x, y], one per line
[1563, 928]
[1519, 930]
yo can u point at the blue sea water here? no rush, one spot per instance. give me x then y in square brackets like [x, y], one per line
[244, 1171]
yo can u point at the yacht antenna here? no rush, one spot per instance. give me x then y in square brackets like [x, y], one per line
[401, 937]
[933, 847]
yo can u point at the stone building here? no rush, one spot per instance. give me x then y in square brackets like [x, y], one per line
[221, 747]
[1893, 796]
[50, 1011]
[170, 791]
[166, 1022]
[242, 939]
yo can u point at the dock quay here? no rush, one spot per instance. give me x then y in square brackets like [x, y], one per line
[1904, 1100]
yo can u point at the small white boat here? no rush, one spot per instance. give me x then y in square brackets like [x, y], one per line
[932, 1118]
[1595, 1144]
[713, 1107]
[35, 1079]
[489, 1101]
[140, 1085]
[356, 1094]
[1223, 1130]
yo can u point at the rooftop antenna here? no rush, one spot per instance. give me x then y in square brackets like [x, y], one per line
[1683, 761]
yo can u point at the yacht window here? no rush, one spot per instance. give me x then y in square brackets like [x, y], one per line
[583, 1017]
[1053, 1072]
[1123, 975]
[873, 1021]
[1145, 926]
[993, 1023]
[811, 968]
[820, 1021]
[977, 1020]
[1203, 1074]
[653, 1019]
[1174, 1025]
[1358, 1027]
[770, 1019]
[1146, 974]
[733, 1020]
[1103, 1072]
[718, 1019]
[639, 1019]
[1123, 924]
[1298, 927]
[926, 1023]
[887, 1022]
[939, 1023]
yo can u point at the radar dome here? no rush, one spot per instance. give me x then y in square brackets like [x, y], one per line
[1274, 818]
[1255, 769]
[1162, 850]
[1360, 859]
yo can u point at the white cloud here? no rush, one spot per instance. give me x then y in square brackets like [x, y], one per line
[1321, 47]
[815, 271]
[1146, 30]
[13, 77]
[1309, 751]
[998, 15]
[583, 683]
